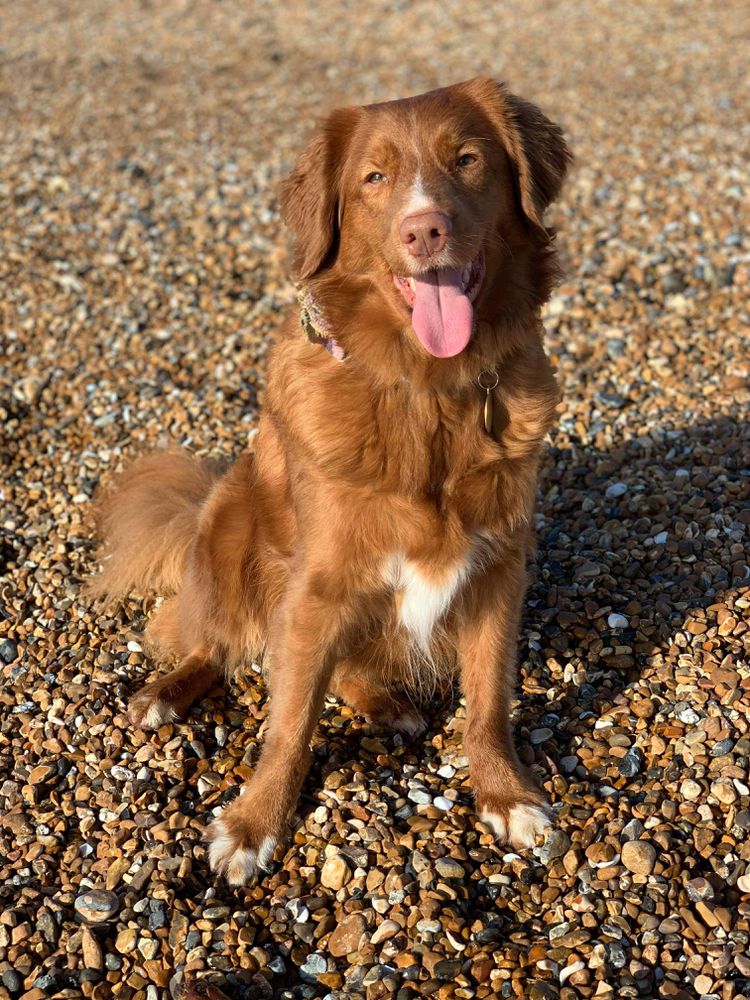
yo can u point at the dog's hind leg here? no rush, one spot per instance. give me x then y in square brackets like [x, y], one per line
[168, 698]
[364, 691]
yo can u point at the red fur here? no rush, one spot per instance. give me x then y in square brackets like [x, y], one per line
[364, 465]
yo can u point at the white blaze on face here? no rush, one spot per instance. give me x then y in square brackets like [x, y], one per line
[418, 199]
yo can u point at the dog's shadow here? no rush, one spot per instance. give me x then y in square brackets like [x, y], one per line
[634, 543]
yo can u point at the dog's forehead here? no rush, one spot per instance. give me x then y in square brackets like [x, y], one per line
[414, 126]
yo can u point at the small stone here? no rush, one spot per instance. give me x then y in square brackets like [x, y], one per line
[314, 965]
[92, 952]
[448, 868]
[386, 930]
[541, 735]
[616, 490]
[601, 854]
[632, 763]
[688, 715]
[639, 856]
[126, 940]
[618, 621]
[199, 989]
[724, 791]
[8, 651]
[690, 790]
[12, 981]
[345, 938]
[633, 830]
[699, 889]
[298, 910]
[335, 873]
[555, 846]
[97, 906]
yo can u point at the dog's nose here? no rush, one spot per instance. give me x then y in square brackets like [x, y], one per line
[425, 233]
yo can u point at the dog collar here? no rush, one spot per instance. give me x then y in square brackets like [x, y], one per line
[315, 324]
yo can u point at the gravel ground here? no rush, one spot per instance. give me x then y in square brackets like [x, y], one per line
[142, 275]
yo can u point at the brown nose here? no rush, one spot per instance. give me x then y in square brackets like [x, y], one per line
[425, 233]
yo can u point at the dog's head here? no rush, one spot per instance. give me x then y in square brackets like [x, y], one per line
[430, 199]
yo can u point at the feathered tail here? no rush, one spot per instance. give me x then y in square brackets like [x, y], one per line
[147, 520]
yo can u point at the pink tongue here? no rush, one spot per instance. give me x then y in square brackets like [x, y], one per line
[443, 316]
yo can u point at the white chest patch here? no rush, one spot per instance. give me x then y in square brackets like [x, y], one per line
[424, 600]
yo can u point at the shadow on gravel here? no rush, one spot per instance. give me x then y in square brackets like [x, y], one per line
[634, 544]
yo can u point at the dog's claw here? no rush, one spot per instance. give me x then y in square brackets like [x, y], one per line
[229, 857]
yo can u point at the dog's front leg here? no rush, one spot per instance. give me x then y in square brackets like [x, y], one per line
[507, 796]
[305, 640]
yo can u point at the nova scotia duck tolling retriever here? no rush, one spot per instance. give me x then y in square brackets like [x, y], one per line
[374, 542]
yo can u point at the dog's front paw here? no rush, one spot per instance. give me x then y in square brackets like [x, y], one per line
[148, 709]
[239, 847]
[516, 823]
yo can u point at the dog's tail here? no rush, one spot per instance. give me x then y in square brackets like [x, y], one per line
[147, 520]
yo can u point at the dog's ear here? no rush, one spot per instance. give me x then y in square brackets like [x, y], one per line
[310, 195]
[535, 145]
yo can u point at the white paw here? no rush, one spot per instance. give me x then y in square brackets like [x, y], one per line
[525, 822]
[237, 864]
[410, 723]
[150, 715]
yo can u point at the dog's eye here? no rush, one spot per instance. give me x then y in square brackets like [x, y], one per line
[375, 178]
[466, 160]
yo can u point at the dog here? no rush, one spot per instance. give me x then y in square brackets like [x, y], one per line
[376, 538]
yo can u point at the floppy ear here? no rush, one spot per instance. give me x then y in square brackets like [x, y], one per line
[536, 146]
[310, 195]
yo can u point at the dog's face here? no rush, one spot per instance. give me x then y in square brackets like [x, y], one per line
[428, 197]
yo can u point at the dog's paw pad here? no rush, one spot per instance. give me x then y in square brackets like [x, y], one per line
[150, 713]
[519, 825]
[228, 857]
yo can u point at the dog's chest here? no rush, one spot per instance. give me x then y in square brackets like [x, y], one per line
[424, 594]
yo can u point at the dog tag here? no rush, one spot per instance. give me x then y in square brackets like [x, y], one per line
[488, 380]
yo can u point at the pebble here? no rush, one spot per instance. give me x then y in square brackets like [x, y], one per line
[448, 868]
[8, 650]
[555, 846]
[540, 735]
[617, 621]
[616, 490]
[335, 872]
[314, 965]
[386, 930]
[690, 790]
[97, 906]
[639, 856]
[345, 938]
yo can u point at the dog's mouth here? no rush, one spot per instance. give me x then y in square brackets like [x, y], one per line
[442, 307]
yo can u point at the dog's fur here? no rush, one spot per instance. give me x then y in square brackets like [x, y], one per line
[377, 535]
